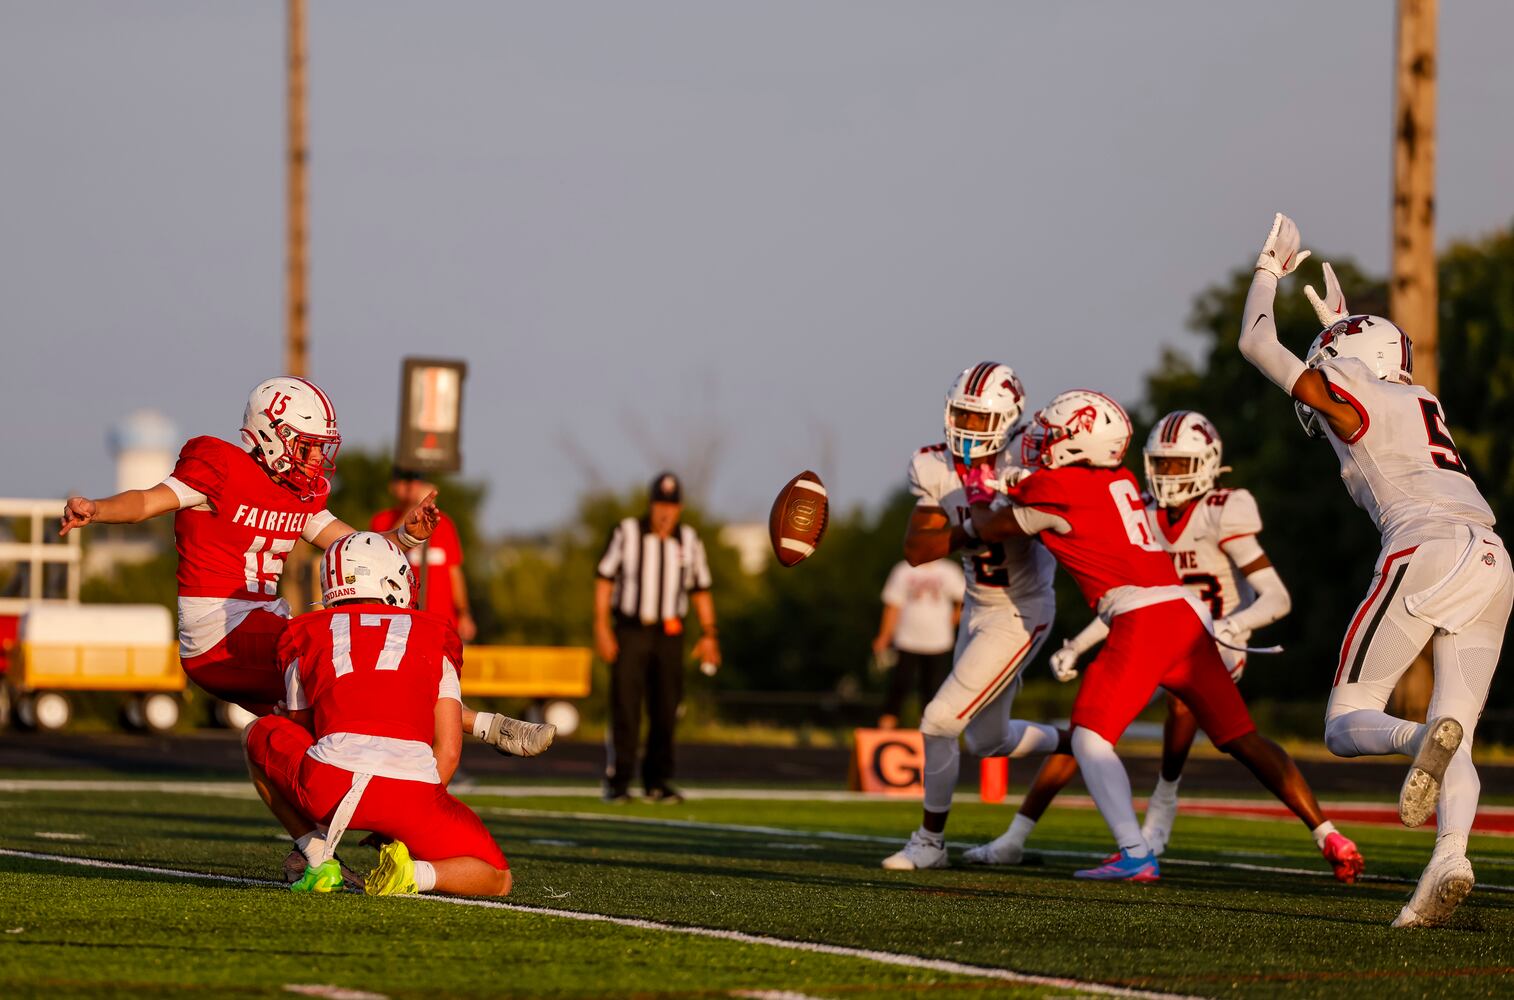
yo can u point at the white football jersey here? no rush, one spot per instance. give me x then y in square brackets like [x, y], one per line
[1401, 466]
[1209, 541]
[1001, 573]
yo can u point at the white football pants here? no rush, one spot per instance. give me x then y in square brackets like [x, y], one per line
[993, 646]
[1461, 590]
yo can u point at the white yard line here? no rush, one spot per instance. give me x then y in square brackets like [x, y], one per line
[740, 937]
[243, 790]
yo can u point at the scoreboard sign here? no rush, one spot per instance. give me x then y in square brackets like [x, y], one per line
[431, 412]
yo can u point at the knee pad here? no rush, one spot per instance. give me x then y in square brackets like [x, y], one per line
[938, 719]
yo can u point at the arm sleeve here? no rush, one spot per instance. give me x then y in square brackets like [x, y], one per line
[609, 560]
[1090, 637]
[318, 523]
[449, 686]
[294, 688]
[1033, 521]
[1272, 601]
[188, 497]
[1259, 341]
[200, 468]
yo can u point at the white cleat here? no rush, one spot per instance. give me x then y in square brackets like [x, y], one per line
[918, 853]
[1421, 791]
[1445, 883]
[1157, 827]
[1002, 850]
[515, 738]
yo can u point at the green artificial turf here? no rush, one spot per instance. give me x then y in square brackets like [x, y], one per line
[1208, 928]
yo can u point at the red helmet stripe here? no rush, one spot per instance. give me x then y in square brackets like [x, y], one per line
[975, 381]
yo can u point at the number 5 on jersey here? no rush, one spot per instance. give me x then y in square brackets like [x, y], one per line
[396, 636]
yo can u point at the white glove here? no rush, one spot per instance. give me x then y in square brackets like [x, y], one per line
[1229, 634]
[1064, 662]
[1280, 255]
[1333, 306]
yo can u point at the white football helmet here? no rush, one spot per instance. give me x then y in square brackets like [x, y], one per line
[1183, 435]
[1077, 426]
[989, 388]
[290, 425]
[366, 564]
[1376, 341]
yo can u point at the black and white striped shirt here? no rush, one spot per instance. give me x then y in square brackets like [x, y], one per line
[653, 576]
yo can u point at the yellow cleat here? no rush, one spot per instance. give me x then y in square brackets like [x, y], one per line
[395, 874]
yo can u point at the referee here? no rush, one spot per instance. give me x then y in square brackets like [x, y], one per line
[652, 568]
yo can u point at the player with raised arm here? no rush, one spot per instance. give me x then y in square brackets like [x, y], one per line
[1008, 607]
[1442, 576]
[238, 512]
[372, 733]
[1210, 532]
[1087, 510]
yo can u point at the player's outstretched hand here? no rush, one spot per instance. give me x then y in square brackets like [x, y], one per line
[1064, 662]
[978, 484]
[423, 517]
[1280, 255]
[1333, 306]
[76, 514]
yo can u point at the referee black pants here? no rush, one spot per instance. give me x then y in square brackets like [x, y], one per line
[649, 668]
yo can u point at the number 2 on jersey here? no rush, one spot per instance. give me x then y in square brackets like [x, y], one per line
[1442, 449]
[396, 636]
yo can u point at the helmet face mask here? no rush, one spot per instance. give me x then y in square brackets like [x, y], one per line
[1182, 456]
[366, 566]
[982, 408]
[290, 425]
[1078, 426]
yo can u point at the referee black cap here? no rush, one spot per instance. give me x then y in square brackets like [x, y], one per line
[665, 488]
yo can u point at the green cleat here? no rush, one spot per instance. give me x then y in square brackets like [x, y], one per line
[395, 874]
[325, 878]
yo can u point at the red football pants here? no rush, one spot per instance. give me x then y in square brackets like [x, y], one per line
[433, 825]
[1162, 645]
[243, 667]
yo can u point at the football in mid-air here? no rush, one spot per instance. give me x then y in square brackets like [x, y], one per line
[798, 518]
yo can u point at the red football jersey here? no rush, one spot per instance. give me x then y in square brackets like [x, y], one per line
[236, 547]
[371, 669]
[1111, 543]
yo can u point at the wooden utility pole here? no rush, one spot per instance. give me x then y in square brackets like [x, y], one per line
[1413, 292]
[298, 152]
[299, 584]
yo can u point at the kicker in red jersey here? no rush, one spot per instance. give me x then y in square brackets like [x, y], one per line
[234, 544]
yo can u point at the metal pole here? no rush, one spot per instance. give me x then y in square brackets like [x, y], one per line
[1413, 292]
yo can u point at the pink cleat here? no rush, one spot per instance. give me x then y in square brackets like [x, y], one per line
[1124, 868]
[1343, 857]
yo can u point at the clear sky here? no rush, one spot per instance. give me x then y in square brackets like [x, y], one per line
[738, 238]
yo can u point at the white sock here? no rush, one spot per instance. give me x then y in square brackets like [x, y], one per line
[425, 876]
[1109, 784]
[313, 846]
[933, 839]
[943, 761]
[1459, 792]
[1368, 732]
[1019, 828]
[1450, 844]
[481, 723]
[1167, 791]
[1322, 832]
